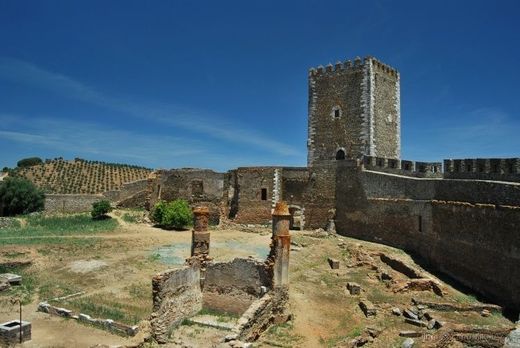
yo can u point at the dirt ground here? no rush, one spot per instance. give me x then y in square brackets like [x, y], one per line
[116, 273]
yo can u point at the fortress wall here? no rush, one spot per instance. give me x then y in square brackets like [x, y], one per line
[319, 196]
[498, 169]
[403, 167]
[70, 203]
[476, 244]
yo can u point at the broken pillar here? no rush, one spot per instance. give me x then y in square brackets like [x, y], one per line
[200, 235]
[281, 243]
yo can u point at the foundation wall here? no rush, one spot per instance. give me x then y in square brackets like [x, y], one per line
[70, 203]
[233, 286]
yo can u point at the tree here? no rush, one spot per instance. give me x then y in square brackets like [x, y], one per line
[29, 162]
[100, 209]
[176, 214]
[19, 196]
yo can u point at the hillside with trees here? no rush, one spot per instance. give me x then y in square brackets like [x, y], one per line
[79, 175]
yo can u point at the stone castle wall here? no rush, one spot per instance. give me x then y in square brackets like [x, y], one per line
[457, 227]
[497, 169]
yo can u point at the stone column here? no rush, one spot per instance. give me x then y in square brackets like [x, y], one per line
[200, 234]
[281, 243]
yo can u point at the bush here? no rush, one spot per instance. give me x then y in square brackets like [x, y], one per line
[19, 196]
[100, 209]
[29, 162]
[176, 214]
[158, 212]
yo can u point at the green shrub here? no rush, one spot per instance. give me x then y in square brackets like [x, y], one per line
[19, 196]
[100, 209]
[158, 212]
[176, 214]
[29, 162]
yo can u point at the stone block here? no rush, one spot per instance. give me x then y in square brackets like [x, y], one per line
[410, 333]
[13, 279]
[396, 311]
[354, 288]
[408, 343]
[368, 308]
[415, 322]
[10, 332]
[410, 314]
[334, 264]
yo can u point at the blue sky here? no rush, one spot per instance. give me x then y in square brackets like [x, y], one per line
[221, 84]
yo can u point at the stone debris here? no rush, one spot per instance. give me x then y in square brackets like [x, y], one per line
[354, 288]
[423, 284]
[410, 314]
[373, 331]
[368, 308]
[513, 339]
[396, 311]
[334, 264]
[451, 307]
[410, 333]
[13, 279]
[408, 343]
[485, 313]
[4, 284]
[401, 267]
[415, 322]
[431, 324]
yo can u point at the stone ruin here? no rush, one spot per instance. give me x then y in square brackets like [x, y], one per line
[255, 290]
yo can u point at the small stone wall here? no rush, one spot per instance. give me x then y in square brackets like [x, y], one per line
[233, 286]
[70, 203]
[10, 333]
[176, 296]
[105, 324]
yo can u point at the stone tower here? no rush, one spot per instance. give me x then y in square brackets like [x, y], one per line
[354, 110]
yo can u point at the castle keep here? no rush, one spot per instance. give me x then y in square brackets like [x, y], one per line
[462, 221]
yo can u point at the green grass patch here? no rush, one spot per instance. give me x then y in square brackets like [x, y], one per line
[26, 290]
[42, 229]
[221, 316]
[104, 306]
[131, 219]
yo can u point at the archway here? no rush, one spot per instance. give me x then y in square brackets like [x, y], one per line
[297, 218]
[340, 155]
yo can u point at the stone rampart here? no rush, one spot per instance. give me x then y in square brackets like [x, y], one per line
[70, 203]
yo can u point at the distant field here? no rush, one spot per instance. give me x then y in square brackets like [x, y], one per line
[81, 176]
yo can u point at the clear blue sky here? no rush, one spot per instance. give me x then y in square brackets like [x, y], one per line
[220, 84]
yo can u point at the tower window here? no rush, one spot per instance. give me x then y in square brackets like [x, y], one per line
[264, 194]
[340, 155]
[336, 112]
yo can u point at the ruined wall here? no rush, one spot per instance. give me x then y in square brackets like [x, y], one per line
[498, 169]
[233, 286]
[476, 244]
[320, 195]
[197, 186]
[251, 206]
[70, 203]
[176, 296]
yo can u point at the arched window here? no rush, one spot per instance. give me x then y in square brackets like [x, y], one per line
[340, 155]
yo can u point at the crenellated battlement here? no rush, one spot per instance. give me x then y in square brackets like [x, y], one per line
[403, 167]
[499, 169]
[355, 65]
